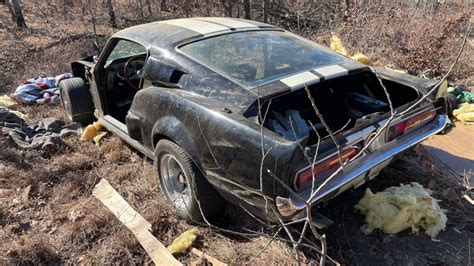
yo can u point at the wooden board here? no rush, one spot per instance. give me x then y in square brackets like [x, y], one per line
[133, 221]
[454, 149]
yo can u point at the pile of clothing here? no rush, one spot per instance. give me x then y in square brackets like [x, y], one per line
[41, 90]
[45, 134]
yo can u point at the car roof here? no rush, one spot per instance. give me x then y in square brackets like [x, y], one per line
[168, 33]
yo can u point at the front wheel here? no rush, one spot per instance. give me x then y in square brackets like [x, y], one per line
[77, 101]
[183, 184]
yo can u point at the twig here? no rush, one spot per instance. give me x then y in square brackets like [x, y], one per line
[321, 118]
[266, 246]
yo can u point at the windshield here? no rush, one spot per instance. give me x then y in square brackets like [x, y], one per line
[256, 57]
[124, 49]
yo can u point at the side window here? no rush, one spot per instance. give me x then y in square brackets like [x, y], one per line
[124, 49]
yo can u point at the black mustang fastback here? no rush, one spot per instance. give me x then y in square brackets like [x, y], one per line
[231, 109]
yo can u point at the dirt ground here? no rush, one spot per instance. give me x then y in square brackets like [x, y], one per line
[47, 212]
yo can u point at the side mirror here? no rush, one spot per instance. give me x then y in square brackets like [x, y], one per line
[162, 71]
[96, 48]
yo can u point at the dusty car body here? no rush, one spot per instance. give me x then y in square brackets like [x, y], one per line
[233, 96]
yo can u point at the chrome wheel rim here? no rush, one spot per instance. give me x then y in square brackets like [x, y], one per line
[174, 181]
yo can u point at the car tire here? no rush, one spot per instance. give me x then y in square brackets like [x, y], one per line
[77, 101]
[189, 193]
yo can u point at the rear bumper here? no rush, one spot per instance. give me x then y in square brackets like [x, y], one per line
[360, 170]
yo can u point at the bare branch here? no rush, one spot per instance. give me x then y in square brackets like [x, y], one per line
[321, 118]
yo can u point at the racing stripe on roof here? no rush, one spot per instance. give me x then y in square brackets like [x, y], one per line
[298, 81]
[329, 72]
[316, 75]
[353, 66]
[227, 22]
[271, 88]
[201, 26]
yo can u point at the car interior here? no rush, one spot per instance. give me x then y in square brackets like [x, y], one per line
[121, 77]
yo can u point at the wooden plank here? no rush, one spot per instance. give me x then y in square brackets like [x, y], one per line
[135, 222]
[214, 261]
[455, 149]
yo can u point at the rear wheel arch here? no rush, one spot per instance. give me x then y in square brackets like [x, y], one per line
[170, 128]
[210, 200]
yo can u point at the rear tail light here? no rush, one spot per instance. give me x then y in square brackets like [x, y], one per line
[409, 124]
[323, 169]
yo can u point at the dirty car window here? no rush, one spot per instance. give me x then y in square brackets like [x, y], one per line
[125, 49]
[257, 57]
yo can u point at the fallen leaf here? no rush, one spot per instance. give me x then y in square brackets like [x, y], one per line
[25, 194]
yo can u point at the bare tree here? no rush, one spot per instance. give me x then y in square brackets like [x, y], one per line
[247, 9]
[148, 5]
[140, 8]
[68, 3]
[65, 5]
[93, 13]
[265, 10]
[14, 7]
[228, 6]
[112, 18]
[163, 6]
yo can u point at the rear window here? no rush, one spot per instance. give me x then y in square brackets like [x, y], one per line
[256, 57]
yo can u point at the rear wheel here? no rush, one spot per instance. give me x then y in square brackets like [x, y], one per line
[77, 101]
[183, 184]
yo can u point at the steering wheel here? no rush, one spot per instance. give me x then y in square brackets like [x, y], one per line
[128, 73]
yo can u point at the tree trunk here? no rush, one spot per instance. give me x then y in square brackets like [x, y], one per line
[68, 3]
[247, 9]
[148, 5]
[112, 18]
[83, 8]
[228, 5]
[163, 6]
[92, 12]
[140, 8]
[14, 7]
[265, 11]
